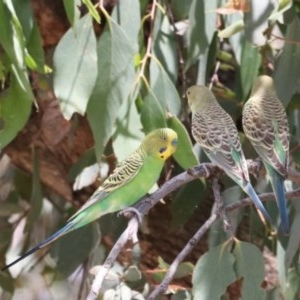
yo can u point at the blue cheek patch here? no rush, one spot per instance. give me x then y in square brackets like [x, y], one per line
[174, 142]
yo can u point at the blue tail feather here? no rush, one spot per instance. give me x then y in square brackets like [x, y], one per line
[278, 187]
[252, 194]
[67, 228]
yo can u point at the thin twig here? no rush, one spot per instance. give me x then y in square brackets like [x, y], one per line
[221, 208]
[202, 170]
[129, 234]
[202, 230]
[181, 256]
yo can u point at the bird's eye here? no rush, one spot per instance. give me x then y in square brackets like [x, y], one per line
[164, 138]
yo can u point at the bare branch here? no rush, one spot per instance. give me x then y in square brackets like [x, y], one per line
[220, 208]
[203, 170]
[199, 234]
[128, 234]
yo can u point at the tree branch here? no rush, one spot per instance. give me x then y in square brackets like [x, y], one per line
[202, 230]
[203, 170]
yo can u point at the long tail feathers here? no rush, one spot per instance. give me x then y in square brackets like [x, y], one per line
[44, 243]
[278, 187]
[252, 194]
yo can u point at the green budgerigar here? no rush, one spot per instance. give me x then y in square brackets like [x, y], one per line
[215, 131]
[265, 124]
[128, 183]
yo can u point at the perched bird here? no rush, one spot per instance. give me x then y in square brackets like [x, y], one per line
[265, 124]
[214, 130]
[129, 182]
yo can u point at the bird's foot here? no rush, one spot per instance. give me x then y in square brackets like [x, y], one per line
[200, 169]
[129, 211]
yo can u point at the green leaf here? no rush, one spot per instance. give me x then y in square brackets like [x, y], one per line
[213, 272]
[72, 11]
[202, 18]
[75, 77]
[256, 21]
[184, 155]
[250, 63]
[132, 274]
[280, 255]
[232, 29]
[35, 49]
[180, 9]
[185, 200]
[29, 35]
[287, 70]
[23, 12]
[92, 10]
[12, 41]
[74, 248]
[238, 39]
[165, 46]
[12, 120]
[163, 88]
[283, 6]
[249, 266]
[115, 76]
[291, 289]
[128, 130]
[184, 269]
[128, 15]
[152, 114]
[294, 238]
[36, 200]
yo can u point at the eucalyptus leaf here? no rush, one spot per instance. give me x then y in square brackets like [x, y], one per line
[232, 29]
[152, 114]
[256, 20]
[73, 249]
[115, 77]
[213, 272]
[128, 130]
[128, 15]
[72, 11]
[250, 63]
[12, 120]
[165, 46]
[92, 10]
[202, 18]
[184, 155]
[12, 41]
[185, 200]
[74, 79]
[163, 88]
[294, 239]
[249, 266]
[287, 72]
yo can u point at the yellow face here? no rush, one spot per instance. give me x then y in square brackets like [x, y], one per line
[161, 143]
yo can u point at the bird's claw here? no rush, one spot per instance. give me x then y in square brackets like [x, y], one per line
[127, 212]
